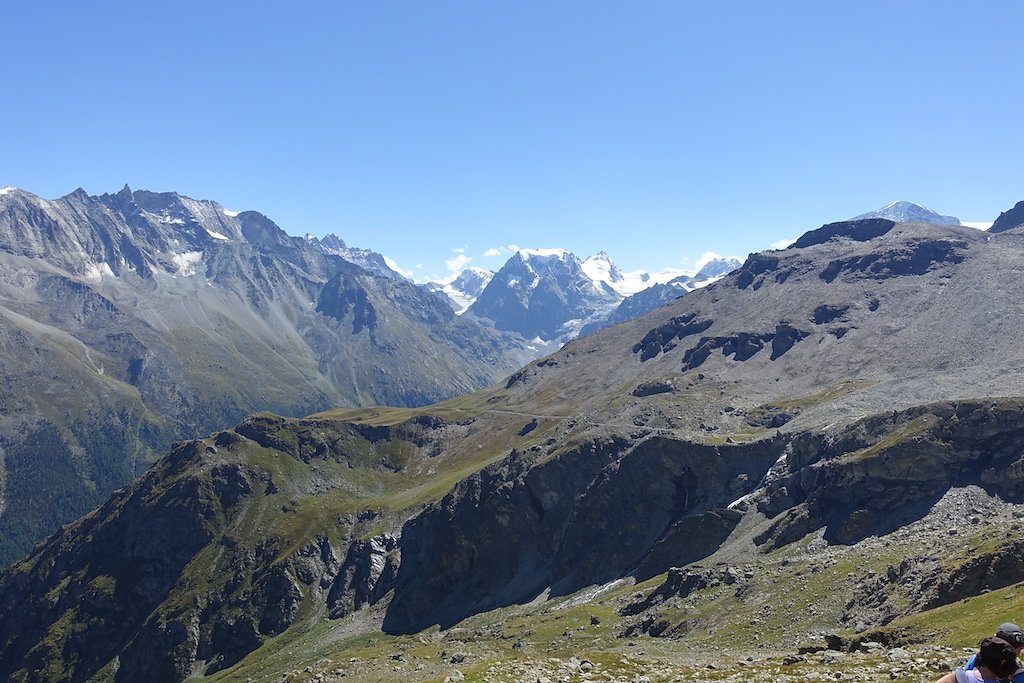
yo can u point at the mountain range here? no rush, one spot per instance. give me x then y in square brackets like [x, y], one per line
[551, 295]
[826, 440]
[131, 320]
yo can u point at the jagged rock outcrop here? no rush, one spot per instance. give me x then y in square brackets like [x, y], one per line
[665, 337]
[522, 526]
[916, 258]
[857, 230]
[1008, 220]
[886, 469]
[537, 294]
[366, 576]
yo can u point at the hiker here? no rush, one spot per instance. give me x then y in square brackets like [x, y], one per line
[996, 661]
[1014, 635]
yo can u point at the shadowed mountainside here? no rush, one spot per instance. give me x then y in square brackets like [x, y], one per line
[828, 394]
[133, 319]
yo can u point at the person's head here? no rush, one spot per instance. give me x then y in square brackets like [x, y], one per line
[998, 656]
[1012, 634]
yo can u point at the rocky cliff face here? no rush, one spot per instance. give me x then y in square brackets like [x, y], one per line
[829, 399]
[235, 538]
[133, 319]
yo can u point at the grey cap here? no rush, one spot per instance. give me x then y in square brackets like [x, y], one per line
[1011, 633]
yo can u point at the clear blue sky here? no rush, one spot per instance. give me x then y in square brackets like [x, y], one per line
[653, 130]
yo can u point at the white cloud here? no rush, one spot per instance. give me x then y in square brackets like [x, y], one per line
[456, 264]
[704, 259]
[397, 268]
[502, 250]
[781, 244]
[980, 225]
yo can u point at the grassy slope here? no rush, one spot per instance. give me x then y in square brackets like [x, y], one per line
[786, 599]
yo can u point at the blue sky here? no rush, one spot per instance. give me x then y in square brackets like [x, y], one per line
[655, 131]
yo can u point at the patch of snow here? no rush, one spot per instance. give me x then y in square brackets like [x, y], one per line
[171, 221]
[186, 263]
[703, 283]
[460, 299]
[95, 271]
[664, 276]
[588, 595]
[772, 474]
[7, 190]
[978, 225]
[232, 214]
[472, 276]
[600, 269]
[216, 235]
[513, 282]
[638, 280]
[543, 253]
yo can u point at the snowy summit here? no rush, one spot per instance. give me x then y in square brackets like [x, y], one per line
[908, 212]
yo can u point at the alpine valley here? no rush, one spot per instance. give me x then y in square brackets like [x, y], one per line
[132, 320]
[811, 469]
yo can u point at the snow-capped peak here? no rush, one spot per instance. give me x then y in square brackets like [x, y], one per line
[909, 212]
[477, 271]
[543, 254]
[464, 289]
[604, 272]
[600, 268]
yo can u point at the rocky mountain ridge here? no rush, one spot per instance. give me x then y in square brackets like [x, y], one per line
[543, 294]
[130, 320]
[810, 405]
[464, 289]
[552, 296]
[1008, 220]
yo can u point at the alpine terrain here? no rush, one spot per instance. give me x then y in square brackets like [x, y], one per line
[551, 296]
[810, 469]
[131, 320]
[464, 289]
[909, 212]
